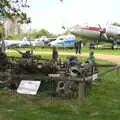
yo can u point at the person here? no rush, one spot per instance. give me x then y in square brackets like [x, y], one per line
[91, 56]
[54, 54]
[91, 59]
[78, 46]
[114, 45]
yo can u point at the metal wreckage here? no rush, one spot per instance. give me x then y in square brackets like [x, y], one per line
[67, 74]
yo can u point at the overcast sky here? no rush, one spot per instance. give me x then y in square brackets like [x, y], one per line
[52, 14]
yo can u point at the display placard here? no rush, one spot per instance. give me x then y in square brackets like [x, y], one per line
[28, 87]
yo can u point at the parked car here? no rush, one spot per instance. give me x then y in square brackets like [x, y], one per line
[64, 41]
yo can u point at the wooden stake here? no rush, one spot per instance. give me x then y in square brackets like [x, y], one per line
[81, 92]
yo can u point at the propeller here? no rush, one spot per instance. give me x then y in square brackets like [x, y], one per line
[63, 27]
[102, 33]
[66, 29]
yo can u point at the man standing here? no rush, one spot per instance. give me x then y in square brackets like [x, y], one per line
[78, 46]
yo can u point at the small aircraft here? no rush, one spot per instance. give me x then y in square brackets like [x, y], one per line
[10, 43]
[64, 41]
[26, 42]
[108, 33]
[41, 41]
[16, 43]
[45, 39]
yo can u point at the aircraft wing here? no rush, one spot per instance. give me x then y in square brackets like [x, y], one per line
[9, 43]
[51, 39]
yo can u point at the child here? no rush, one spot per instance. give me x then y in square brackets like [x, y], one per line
[91, 56]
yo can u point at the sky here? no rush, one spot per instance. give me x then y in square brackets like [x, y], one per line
[52, 14]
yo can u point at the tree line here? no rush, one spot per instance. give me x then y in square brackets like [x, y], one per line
[32, 35]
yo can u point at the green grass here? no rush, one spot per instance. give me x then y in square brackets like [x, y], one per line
[102, 103]
[62, 57]
[112, 52]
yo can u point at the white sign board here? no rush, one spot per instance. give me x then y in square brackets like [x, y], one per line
[28, 87]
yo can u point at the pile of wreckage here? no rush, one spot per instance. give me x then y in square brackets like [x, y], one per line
[67, 74]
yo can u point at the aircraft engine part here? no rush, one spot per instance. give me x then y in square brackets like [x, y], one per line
[49, 68]
[70, 58]
[74, 71]
[64, 89]
[74, 62]
[39, 66]
[5, 78]
[3, 61]
[60, 86]
[28, 66]
[67, 88]
[90, 67]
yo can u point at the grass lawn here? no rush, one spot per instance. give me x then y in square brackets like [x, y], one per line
[62, 57]
[113, 52]
[102, 103]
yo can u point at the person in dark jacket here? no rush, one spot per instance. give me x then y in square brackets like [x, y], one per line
[54, 54]
[78, 46]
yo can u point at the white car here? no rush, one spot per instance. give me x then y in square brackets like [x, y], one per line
[64, 41]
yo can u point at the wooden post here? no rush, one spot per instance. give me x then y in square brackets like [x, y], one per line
[81, 92]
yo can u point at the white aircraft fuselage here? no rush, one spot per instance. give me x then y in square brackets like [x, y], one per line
[94, 33]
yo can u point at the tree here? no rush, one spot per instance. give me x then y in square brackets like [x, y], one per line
[13, 8]
[116, 24]
[33, 34]
[42, 32]
[1, 30]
